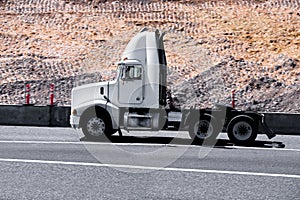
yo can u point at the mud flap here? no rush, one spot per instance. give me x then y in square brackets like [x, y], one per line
[269, 132]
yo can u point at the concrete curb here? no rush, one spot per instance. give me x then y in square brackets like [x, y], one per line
[58, 116]
[283, 123]
[30, 115]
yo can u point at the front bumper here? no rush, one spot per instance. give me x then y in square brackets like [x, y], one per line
[74, 121]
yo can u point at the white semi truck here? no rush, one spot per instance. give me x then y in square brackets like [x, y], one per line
[136, 100]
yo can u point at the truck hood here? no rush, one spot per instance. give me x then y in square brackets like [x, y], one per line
[90, 92]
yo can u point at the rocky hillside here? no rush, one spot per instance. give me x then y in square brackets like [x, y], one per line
[212, 48]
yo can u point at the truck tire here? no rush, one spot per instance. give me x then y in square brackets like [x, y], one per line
[242, 130]
[204, 129]
[96, 127]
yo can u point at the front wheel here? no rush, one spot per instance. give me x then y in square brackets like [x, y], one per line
[96, 127]
[242, 131]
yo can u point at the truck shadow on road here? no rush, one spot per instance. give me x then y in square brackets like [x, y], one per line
[220, 143]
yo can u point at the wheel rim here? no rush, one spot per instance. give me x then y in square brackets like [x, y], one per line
[242, 131]
[203, 129]
[95, 126]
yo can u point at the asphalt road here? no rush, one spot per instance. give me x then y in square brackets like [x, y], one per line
[52, 163]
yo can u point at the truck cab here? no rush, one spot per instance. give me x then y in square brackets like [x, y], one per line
[134, 100]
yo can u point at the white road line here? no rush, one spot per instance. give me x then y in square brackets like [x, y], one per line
[45, 142]
[152, 168]
[140, 144]
[261, 148]
[82, 143]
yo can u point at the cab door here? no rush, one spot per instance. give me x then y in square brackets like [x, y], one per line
[131, 84]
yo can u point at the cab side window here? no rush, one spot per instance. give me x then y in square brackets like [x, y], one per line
[131, 73]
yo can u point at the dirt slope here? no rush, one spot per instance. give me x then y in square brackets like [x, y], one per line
[250, 46]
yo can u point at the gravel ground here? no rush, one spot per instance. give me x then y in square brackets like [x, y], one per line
[212, 48]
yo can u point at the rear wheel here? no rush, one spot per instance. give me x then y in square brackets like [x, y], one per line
[204, 129]
[242, 131]
[96, 127]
